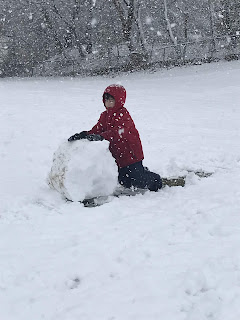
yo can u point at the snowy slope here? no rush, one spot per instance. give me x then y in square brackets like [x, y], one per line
[174, 254]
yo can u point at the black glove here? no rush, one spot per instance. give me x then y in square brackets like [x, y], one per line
[94, 137]
[78, 136]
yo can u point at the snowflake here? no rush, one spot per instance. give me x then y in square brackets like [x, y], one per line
[148, 20]
[120, 131]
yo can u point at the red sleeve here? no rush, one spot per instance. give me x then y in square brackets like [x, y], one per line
[122, 127]
[99, 127]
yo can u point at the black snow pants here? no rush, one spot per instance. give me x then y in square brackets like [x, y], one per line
[138, 176]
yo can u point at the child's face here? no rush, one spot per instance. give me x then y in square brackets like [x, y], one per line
[109, 103]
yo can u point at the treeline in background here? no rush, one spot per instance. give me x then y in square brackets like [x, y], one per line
[86, 37]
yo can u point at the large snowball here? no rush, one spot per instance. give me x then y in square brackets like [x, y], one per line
[83, 169]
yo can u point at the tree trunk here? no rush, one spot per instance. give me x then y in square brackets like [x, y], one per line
[213, 44]
[141, 32]
[89, 47]
[169, 27]
[126, 15]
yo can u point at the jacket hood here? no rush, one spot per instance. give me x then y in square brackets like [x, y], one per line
[119, 94]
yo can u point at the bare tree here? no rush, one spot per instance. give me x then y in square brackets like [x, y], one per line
[35, 31]
[125, 11]
[169, 25]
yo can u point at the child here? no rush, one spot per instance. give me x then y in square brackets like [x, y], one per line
[116, 125]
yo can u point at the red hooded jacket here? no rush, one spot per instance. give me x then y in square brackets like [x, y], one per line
[116, 125]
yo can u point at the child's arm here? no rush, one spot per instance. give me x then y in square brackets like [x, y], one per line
[98, 128]
[122, 128]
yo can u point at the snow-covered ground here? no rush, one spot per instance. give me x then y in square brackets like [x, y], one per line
[174, 254]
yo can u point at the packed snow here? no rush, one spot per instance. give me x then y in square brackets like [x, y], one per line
[173, 254]
[83, 170]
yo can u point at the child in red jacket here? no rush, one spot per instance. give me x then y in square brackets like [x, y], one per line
[116, 125]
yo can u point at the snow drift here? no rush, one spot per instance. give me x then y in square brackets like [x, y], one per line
[83, 169]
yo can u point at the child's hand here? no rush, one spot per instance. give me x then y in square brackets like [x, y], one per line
[78, 136]
[94, 137]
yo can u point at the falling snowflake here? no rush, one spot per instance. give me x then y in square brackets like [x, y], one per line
[94, 22]
[120, 131]
[148, 20]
